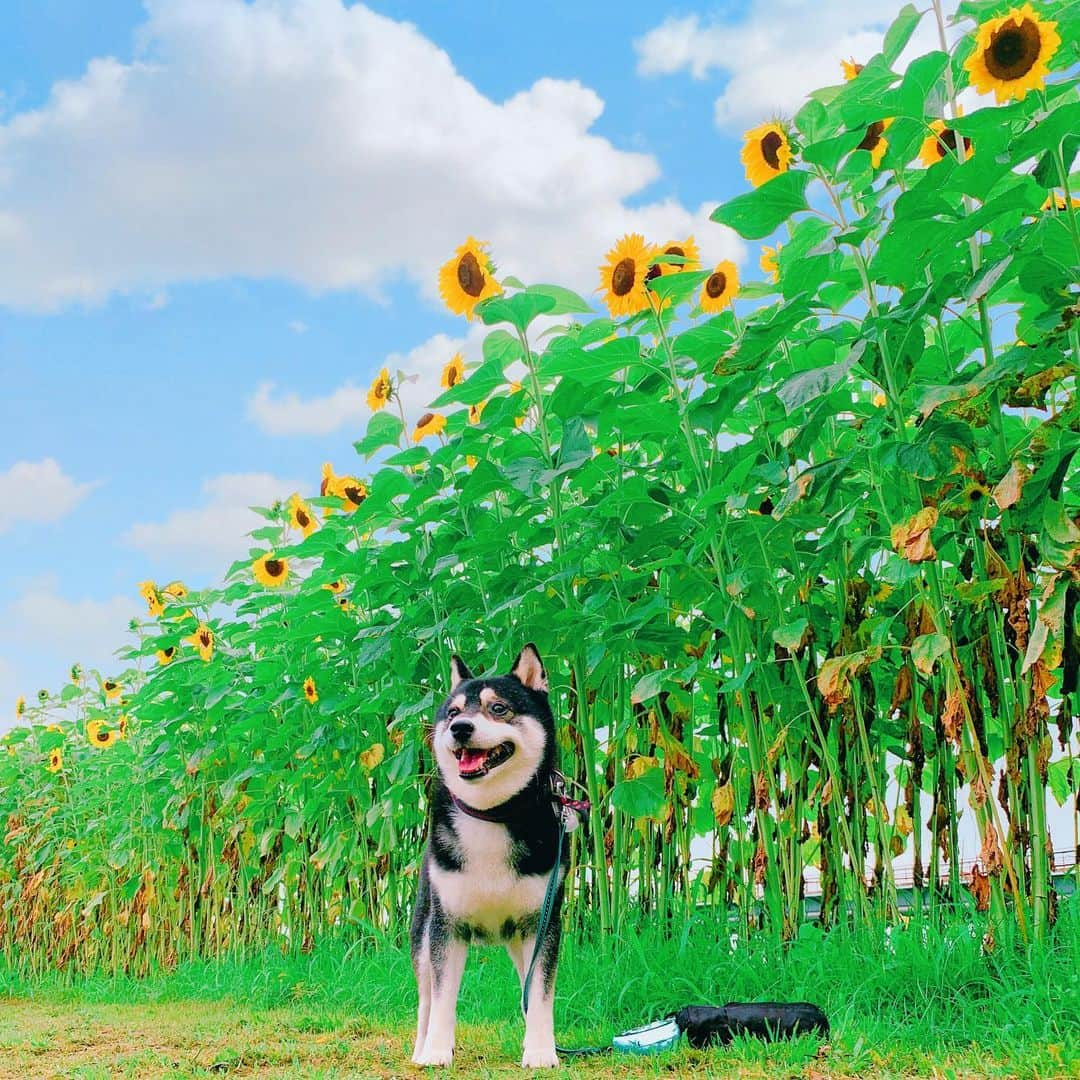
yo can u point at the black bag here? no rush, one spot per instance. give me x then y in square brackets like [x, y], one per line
[705, 1024]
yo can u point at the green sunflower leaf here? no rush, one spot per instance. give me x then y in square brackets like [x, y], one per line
[384, 429]
[518, 310]
[899, 34]
[760, 212]
[566, 301]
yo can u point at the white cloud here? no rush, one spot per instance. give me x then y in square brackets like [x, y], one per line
[38, 491]
[298, 326]
[205, 539]
[774, 56]
[43, 632]
[312, 141]
[420, 368]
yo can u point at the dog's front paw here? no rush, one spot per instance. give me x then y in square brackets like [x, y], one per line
[540, 1059]
[434, 1055]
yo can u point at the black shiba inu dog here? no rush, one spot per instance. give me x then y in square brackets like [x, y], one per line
[491, 849]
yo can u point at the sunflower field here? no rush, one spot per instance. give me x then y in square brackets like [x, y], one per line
[802, 554]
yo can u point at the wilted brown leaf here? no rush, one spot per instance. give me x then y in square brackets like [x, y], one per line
[952, 718]
[1008, 489]
[912, 537]
[980, 889]
[723, 803]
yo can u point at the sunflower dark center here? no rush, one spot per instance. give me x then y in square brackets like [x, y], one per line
[169, 651]
[675, 250]
[946, 142]
[770, 145]
[622, 277]
[872, 136]
[302, 519]
[1013, 50]
[451, 376]
[716, 285]
[205, 638]
[101, 736]
[425, 420]
[273, 567]
[354, 494]
[470, 276]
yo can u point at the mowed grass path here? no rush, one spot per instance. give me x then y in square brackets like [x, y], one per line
[917, 1002]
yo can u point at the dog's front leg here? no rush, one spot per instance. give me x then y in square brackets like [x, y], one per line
[539, 1049]
[447, 965]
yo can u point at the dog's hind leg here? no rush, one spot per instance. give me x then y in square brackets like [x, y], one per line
[539, 1050]
[422, 968]
[420, 947]
[447, 954]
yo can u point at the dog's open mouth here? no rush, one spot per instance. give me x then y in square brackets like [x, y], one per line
[475, 761]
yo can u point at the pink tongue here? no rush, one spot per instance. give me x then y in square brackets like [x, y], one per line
[471, 760]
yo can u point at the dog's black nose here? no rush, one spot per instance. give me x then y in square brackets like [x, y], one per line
[462, 730]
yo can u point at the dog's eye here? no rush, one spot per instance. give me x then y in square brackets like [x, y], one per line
[452, 712]
[499, 709]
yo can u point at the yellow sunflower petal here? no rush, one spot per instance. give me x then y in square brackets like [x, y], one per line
[429, 424]
[453, 371]
[624, 275]
[766, 153]
[301, 517]
[466, 279]
[379, 393]
[270, 571]
[1012, 54]
[720, 287]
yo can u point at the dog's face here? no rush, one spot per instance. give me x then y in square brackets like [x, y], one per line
[492, 736]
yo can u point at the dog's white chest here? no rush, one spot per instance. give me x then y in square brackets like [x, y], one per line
[486, 892]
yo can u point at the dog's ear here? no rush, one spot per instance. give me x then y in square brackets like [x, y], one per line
[529, 670]
[458, 672]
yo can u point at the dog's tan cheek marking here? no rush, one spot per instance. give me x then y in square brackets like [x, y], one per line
[487, 696]
[458, 702]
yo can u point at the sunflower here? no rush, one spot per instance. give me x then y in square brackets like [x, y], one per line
[165, 656]
[175, 589]
[1011, 54]
[874, 140]
[343, 602]
[685, 249]
[112, 689]
[1056, 201]
[56, 760]
[851, 68]
[371, 757]
[720, 287]
[467, 278]
[769, 262]
[767, 153]
[624, 275]
[335, 586]
[309, 690]
[940, 143]
[453, 371]
[149, 592]
[43, 696]
[470, 461]
[123, 723]
[203, 640]
[353, 491]
[270, 570]
[100, 734]
[475, 411]
[380, 392]
[429, 424]
[20, 705]
[301, 517]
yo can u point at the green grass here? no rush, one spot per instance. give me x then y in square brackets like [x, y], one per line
[921, 1001]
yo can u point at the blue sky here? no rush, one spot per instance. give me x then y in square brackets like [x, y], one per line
[202, 197]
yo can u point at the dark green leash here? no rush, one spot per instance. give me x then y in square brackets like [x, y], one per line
[546, 908]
